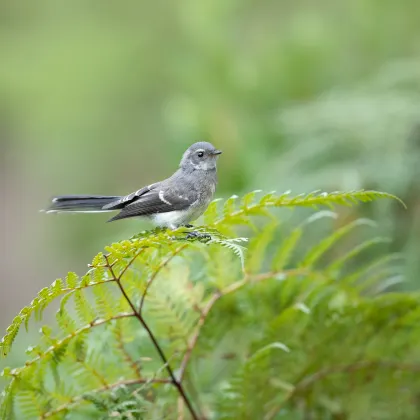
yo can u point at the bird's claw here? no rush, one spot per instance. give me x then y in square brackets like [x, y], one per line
[198, 235]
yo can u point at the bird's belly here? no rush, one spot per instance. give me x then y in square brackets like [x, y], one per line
[177, 218]
[172, 219]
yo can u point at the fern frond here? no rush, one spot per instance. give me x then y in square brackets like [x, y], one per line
[258, 246]
[195, 318]
[233, 214]
[168, 303]
[285, 251]
[233, 245]
[319, 249]
[57, 350]
[45, 297]
[359, 275]
[84, 310]
[335, 267]
[348, 198]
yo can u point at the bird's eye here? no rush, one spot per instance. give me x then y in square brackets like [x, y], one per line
[200, 154]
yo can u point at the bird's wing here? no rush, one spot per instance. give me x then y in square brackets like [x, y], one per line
[128, 199]
[161, 200]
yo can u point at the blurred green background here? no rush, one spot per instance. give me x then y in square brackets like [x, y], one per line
[103, 97]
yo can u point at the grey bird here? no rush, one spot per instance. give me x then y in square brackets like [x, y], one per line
[171, 203]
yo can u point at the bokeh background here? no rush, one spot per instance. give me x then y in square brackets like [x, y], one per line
[103, 97]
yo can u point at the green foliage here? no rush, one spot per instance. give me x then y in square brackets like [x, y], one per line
[166, 325]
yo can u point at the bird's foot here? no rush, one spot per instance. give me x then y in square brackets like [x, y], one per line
[202, 237]
[205, 237]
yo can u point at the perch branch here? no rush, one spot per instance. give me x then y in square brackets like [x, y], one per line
[152, 337]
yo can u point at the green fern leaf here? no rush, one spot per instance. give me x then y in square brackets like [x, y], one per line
[84, 310]
[230, 205]
[99, 260]
[319, 250]
[267, 198]
[248, 199]
[64, 320]
[7, 396]
[71, 280]
[211, 213]
[375, 265]
[335, 198]
[285, 252]
[233, 245]
[257, 248]
[105, 300]
[336, 266]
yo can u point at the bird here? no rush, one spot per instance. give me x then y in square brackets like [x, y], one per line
[171, 203]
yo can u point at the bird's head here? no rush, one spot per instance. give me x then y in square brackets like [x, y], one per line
[200, 156]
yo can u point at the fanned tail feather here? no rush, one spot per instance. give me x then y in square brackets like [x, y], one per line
[80, 203]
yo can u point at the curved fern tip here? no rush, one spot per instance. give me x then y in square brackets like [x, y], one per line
[370, 195]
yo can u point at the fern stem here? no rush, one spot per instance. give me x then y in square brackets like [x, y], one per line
[180, 409]
[86, 286]
[130, 263]
[152, 337]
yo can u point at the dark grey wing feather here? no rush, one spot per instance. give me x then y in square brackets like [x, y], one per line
[128, 199]
[158, 201]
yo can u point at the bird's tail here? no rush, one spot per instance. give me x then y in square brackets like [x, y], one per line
[80, 203]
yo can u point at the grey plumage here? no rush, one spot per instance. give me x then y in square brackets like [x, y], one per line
[86, 203]
[175, 201]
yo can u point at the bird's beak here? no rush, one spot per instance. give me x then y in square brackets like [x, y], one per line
[216, 152]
